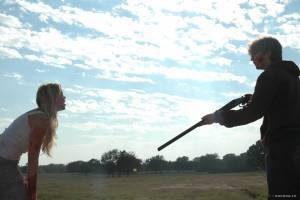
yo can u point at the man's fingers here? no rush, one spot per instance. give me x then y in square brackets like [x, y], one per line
[208, 119]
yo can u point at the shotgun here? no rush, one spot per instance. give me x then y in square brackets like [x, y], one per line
[235, 102]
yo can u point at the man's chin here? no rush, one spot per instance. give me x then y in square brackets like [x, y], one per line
[62, 108]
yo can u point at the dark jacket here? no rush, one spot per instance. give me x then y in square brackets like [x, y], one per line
[276, 98]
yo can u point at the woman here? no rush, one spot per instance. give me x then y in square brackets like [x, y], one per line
[30, 132]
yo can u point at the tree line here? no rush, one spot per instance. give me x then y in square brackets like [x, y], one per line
[116, 163]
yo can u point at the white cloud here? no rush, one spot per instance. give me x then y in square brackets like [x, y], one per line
[82, 66]
[41, 70]
[289, 18]
[271, 8]
[152, 16]
[14, 75]
[9, 20]
[290, 30]
[162, 44]
[233, 94]
[63, 51]
[84, 106]
[181, 73]
[158, 34]
[4, 109]
[4, 123]
[9, 53]
[148, 108]
[257, 14]
[48, 60]
[123, 77]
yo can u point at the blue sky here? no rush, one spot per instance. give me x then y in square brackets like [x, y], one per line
[137, 73]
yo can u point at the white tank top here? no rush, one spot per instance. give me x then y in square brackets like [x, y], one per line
[14, 141]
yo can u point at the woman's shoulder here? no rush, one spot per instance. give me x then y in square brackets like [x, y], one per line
[37, 117]
[37, 113]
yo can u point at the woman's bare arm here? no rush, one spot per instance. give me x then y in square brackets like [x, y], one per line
[39, 124]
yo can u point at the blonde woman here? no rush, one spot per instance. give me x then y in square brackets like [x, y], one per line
[31, 132]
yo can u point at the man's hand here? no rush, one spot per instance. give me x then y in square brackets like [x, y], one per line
[249, 96]
[208, 119]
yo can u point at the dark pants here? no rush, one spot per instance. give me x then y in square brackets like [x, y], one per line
[11, 181]
[283, 170]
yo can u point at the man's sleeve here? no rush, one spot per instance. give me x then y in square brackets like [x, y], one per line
[265, 90]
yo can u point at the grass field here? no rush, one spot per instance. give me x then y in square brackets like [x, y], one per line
[194, 186]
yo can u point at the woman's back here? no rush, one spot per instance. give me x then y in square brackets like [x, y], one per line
[14, 141]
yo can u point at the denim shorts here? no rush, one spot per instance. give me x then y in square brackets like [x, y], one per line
[11, 181]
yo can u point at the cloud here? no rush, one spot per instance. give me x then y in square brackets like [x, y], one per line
[233, 94]
[14, 75]
[9, 20]
[123, 77]
[181, 73]
[64, 51]
[270, 7]
[144, 29]
[257, 14]
[289, 30]
[149, 110]
[182, 38]
[4, 123]
[48, 60]
[41, 70]
[181, 31]
[4, 109]
[9, 53]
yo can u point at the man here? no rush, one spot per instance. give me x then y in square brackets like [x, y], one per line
[276, 98]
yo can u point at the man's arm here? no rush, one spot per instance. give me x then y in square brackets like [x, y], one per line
[265, 90]
[39, 125]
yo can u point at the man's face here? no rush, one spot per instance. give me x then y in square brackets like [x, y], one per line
[261, 60]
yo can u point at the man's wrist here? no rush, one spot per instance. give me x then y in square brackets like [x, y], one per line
[218, 118]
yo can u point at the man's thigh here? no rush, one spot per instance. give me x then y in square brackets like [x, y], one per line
[283, 171]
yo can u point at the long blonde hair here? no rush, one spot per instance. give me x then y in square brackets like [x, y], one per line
[46, 100]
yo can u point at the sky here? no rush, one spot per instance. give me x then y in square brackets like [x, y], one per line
[136, 73]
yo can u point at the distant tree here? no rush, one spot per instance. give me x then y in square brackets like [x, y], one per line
[52, 168]
[233, 163]
[127, 162]
[156, 164]
[94, 165]
[109, 161]
[76, 167]
[255, 157]
[208, 163]
[182, 164]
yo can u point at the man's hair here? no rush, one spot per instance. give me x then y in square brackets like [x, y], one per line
[266, 44]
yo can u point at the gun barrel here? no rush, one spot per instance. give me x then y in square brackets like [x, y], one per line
[180, 135]
[242, 100]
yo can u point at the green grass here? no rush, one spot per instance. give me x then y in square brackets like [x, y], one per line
[194, 186]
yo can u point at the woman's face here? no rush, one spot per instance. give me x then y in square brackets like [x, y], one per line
[60, 102]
